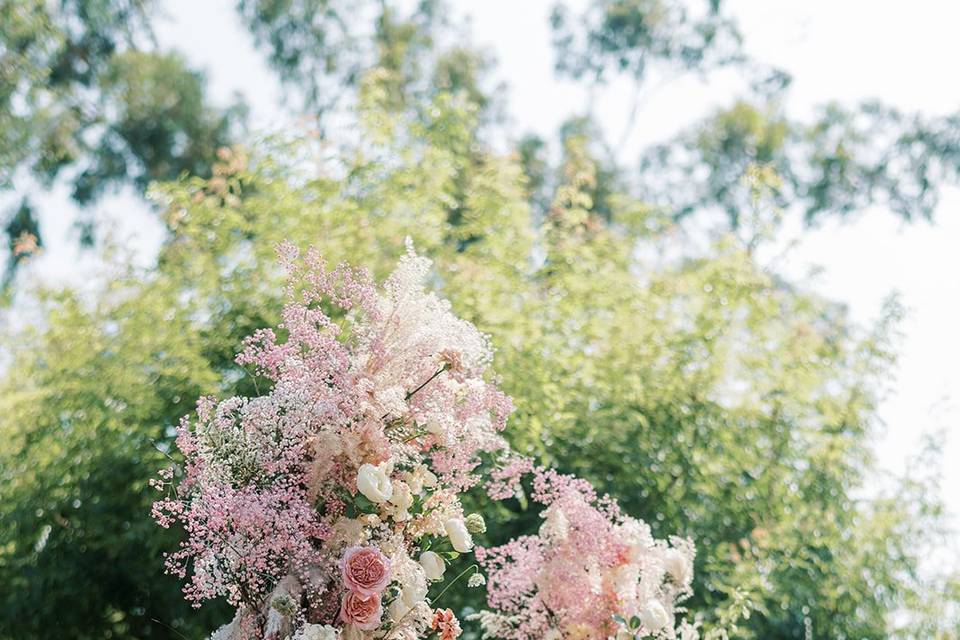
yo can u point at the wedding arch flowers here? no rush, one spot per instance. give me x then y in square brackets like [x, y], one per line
[326, 506]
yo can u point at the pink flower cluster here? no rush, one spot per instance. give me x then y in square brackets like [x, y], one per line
[328, 504]
[591, 573]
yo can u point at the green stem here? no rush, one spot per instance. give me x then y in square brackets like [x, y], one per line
[454, 581]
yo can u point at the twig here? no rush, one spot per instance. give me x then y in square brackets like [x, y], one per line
[429, 380]
[410, 394]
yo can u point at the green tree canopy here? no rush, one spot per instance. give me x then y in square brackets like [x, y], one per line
[86, 97]
[843, 162]
[711, 395]
[636, 37]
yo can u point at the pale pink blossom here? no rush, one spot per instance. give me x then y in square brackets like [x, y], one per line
[271, 487]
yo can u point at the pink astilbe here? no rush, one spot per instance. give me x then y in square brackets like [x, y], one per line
[504, 481]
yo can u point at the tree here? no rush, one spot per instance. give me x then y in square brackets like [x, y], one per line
[84, 97]
[86, 402]
[637, 37]
[88, 98]
[844, 161]
[709, 395]
[322, 50]
[664, 373]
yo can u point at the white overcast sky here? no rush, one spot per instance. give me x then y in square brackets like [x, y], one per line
[903, 53]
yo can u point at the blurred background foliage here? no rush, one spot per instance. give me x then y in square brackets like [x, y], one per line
[85, 97]
[670, 366]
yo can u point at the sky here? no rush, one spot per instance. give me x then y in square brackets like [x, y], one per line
[902, 53]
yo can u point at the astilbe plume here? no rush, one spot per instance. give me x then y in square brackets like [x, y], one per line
[591, 573]
[314, 508]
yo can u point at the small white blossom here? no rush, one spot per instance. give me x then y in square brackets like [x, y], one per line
[476, 580]
[398, 609]
[317, 632]
[401, 499]
[415, 591]
[678, 566]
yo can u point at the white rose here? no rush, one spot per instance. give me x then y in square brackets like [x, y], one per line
[623, 634]
[318, 632]
[374, 483]
[458, 534]
[420, 478]
[654, 617]
[553, 634]
[433, 565]
[400, 500]
[414, 482]
[677, 566]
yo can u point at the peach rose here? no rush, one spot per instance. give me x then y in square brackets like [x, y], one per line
[362, 612]
[365, 570]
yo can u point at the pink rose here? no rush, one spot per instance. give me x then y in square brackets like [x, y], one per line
[363, 612]
[365, 570]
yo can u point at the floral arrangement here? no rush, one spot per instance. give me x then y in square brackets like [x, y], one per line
[328, 505]
[325, 507]
[591, 573]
